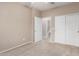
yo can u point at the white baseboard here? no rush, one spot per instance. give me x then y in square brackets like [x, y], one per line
[65, 44]
[16, 46]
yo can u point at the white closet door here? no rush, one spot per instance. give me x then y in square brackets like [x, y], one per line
[60, 29]
[38, 29]
[72, 29]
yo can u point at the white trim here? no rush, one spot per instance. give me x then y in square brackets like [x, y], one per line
[63, 44]
[16, 47]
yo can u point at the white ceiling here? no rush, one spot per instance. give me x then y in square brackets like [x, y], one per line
[42, 6]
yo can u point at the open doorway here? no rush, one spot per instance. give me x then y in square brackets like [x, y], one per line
[42, 29]
[46, 27]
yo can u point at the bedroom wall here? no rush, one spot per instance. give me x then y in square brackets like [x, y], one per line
[15, 25]
[71, 8]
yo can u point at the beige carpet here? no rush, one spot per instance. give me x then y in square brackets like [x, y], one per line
[43, 48]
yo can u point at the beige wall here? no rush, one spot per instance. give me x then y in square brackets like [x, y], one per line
[15, 25]
[36, 13]
[74, 7]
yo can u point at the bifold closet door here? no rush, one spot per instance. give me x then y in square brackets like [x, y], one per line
[72, 29]
[60, 29]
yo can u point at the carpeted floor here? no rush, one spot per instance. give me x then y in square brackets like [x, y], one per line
[43, 48]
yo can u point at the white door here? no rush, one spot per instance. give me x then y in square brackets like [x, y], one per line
[60, 29]
[72, 29]
[38, 29]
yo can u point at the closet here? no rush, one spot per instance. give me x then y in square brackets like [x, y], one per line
[67, 29]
